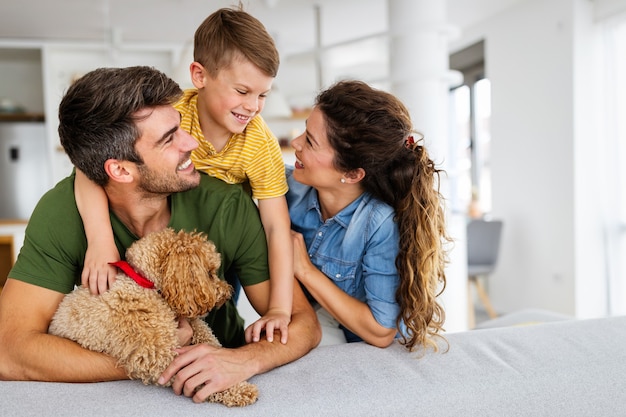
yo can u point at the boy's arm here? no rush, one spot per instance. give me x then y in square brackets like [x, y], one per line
[28, 352]
[93, 207]
[275, 218]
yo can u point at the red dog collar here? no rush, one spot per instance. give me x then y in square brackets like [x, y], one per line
[134, 275]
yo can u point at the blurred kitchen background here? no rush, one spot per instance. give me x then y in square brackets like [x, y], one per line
[520, 101]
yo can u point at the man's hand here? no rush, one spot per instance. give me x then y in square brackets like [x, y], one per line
[209, 369]
[206, 369]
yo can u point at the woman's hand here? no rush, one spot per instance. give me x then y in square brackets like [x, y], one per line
[301, 261]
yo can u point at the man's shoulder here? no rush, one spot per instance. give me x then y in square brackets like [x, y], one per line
[64, 185]
[57, 200]
[212, 192]
[57, 207]
[218, 188]
[54, 243]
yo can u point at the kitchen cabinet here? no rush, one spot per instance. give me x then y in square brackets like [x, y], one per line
[35, 75]
[11, 239]
[21, 80]
[24, 167]
[24, 162]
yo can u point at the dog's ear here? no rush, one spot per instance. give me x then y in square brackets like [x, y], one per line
[223, 290]
[189, 282]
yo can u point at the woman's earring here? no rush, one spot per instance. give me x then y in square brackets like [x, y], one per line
[343, 180]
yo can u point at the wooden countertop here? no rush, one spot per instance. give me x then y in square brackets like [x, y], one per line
[13, 222]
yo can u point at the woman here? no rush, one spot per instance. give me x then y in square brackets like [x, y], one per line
[367, 218]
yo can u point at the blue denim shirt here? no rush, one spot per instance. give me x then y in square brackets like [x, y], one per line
[356, 249]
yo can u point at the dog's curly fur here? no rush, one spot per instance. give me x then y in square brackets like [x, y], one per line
[138, 326]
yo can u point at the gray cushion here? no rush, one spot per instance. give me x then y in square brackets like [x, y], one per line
[523, 318]
[560, 368]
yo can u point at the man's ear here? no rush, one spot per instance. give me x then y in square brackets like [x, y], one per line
[197, 73]
[118, 171]
[355, 175]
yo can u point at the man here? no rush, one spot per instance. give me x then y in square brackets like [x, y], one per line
[119, 127]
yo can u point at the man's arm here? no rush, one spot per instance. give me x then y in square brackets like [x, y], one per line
[28, 352]
[221, 368]
[304, 327]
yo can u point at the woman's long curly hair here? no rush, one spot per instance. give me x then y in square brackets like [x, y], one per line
[372, 130]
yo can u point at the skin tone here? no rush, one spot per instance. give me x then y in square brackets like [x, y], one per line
[226, 104]
[136, 194]
[314, 167]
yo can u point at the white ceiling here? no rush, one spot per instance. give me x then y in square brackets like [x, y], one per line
[289, 21]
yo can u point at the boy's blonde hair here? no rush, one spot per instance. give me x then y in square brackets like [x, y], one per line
[231, 33]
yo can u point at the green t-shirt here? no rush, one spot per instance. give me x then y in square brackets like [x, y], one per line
[54, 247]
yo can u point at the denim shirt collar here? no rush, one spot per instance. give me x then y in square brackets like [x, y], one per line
[345, 215]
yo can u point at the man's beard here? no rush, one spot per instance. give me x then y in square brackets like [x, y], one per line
[153, 182]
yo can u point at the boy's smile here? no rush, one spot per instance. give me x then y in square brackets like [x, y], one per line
[228, 102]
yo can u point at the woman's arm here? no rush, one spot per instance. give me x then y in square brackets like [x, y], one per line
[93, 207]
[347, 310]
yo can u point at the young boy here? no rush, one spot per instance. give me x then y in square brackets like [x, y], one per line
[235, 63]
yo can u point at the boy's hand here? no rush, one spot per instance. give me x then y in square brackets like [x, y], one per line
[97, 274]
[273, 320]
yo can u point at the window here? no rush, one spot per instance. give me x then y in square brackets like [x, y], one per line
[470, 133]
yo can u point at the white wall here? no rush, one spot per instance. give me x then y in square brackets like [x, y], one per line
[537, 55]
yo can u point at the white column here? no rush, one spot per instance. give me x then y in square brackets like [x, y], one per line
[420, 77]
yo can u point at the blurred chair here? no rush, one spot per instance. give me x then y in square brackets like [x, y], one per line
[483, 246]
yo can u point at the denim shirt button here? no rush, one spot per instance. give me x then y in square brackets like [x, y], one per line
[320, 234]
[337, 275]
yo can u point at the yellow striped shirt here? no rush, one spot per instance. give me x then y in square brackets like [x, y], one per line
[253, 155]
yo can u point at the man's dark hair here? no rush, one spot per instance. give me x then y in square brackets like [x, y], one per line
[98, 115]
